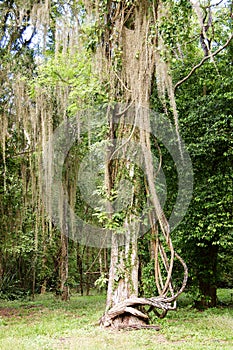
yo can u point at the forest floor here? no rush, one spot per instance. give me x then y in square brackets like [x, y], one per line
[48, 323]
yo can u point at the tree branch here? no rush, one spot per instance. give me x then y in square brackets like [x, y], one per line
[217, 4]
[201, 63]
[20, 153]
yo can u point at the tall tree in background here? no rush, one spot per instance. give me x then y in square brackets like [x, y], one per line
[16, 207]
[204, 98]
[206, 125]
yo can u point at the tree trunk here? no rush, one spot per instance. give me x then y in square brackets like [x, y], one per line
[34, 275]
[208, 279]
[44, 267]
[88, 257]
[64, 289]
[123, 277]
[209, 295]
[44, 264]
[1, 267]
[80, 267]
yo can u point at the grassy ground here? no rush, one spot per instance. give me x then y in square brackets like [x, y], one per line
[48, 323]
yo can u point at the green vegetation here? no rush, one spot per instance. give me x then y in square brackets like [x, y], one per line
[48, 323]
[63, 65]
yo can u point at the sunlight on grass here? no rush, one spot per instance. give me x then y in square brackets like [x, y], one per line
[48, 323]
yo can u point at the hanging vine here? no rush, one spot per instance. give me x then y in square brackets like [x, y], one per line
[128, 52]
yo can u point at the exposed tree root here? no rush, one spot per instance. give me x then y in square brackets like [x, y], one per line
[128, 307]
[127, 310]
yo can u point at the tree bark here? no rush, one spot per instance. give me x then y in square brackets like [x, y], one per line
[80, 267]
[64, 268]
[208, 280]
[123, 283]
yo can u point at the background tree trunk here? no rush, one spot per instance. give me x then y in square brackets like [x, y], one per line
[64, 288]
[207, 279]
[80, 268]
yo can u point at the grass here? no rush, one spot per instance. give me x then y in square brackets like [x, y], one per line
[48, 323]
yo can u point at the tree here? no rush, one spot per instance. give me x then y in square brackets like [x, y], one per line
[210, 215]
[128, 46]
[204, 101]
[115, 59]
